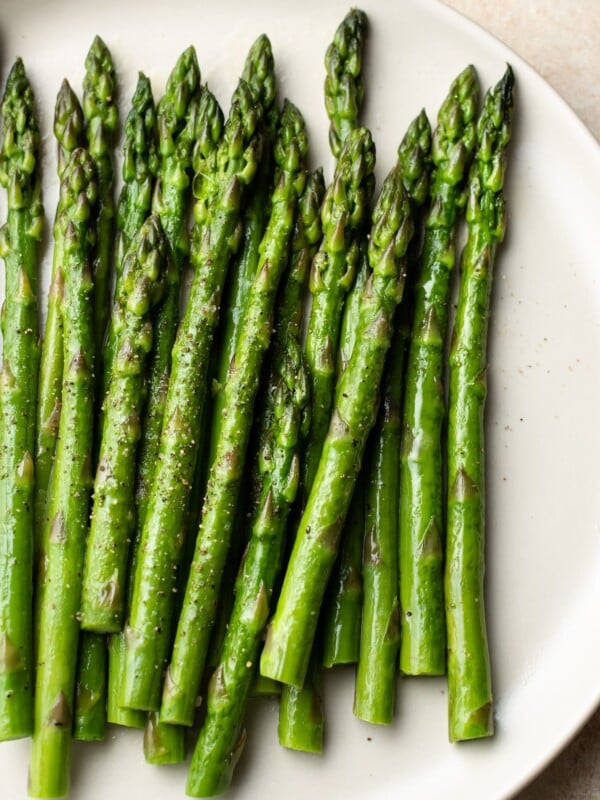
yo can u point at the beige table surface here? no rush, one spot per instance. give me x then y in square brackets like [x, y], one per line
[561, 40]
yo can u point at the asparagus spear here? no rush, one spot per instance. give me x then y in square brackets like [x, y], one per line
[380, 628]
[140, 166]
[68, 130]
[343, 603]
[183, 129]
[292, 629]
[344, 213]
[469, 680]
[259, 73]
[68, 493]
[148, 632]
[380, 624]
[101, 118]
[19, 236]
[343, 84]
[282, 420]
[218, 514]
[423, 647]
[180, 125]
[141, 288]
[343, 93]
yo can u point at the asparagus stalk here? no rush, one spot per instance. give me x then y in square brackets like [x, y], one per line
[101, 118]
[148, 632]
[344, 213]
[68, 493]
[423, 646]
[292, 629]
[140, 166]
[375, 687]
[178, 129]
[469, 679]
[343, 93]
[343, 603]
[380, 624]
[184, 130]
[68, 130]
[343, 83]
[218, 514]
[259, 73]
[19, 236]
[282, 420]
[141, 288]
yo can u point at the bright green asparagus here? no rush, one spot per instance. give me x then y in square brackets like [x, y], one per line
[343, 83]
[102, 118]
[182, 129]
[148, 632]
[226, 473]
[68, 495]
[140, 166]
[281, 423]
[469, 679]
[301, 722]
[377, 669]
[292, 629]
[423, 646]
[342, 608]
[141, 287]
[69, 133]
[376, 674]
[180, 126]
[259, 73]
[343, 92]
[19, 237]
[344, 216]
[344, 213]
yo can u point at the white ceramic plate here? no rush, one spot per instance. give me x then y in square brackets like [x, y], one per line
[544, 436]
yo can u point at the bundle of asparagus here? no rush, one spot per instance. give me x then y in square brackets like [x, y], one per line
[287, 427]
